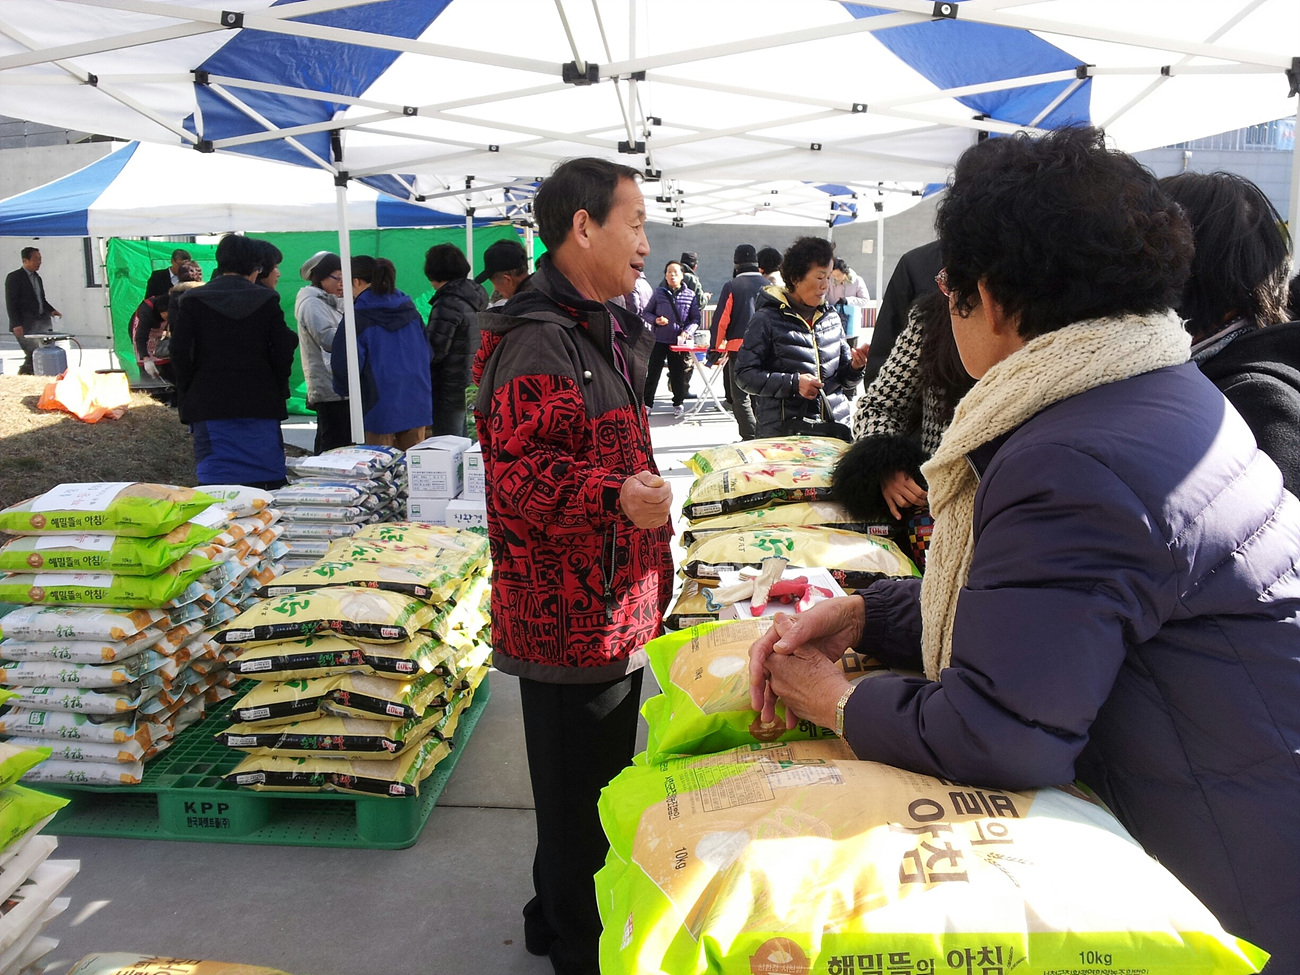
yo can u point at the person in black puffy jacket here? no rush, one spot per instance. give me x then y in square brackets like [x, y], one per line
[795, 347]
[453, 334]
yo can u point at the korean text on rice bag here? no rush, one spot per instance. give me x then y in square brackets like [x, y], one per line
[855, 560]
[326, 655]
[170, 586]
[110, 508]
[810, 451]
[756, 486]
[331, 735]
[365, 614]
[704, 707]
[79, 651]
[423, 581]
[354, 695]
[420, 534]
[77, 623]
[690, 608]
[129, 963]
[84, 751]
[827, 514]
[53, 673]
[84, 700]
[119, 554]
[66, 726]
[784, 858]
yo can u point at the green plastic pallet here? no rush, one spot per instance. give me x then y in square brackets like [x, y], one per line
[183, 796]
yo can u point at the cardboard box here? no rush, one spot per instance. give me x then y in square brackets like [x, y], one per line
[435, 467]
[467, 513]
[431, 510]
[475, 481]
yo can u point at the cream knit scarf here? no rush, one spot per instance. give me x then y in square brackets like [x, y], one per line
[1049, 368]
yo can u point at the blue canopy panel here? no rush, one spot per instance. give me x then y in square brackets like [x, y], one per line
[953, 53]
[398, 213]
[62, 208]
[392, 185]
[842, 211]
[300, 62]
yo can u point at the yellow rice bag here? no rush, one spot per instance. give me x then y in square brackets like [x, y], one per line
[797, 858]
[129, 963]
[691, 608]
[326, 654]
[756, 486]
[429, 581]
[854, 559]
[828, 514]
[335, 736]
[364, 614]
[399, 778]
[810, 451]
[359, 695]
[109, 508]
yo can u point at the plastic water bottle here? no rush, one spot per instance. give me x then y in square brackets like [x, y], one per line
[49, 360]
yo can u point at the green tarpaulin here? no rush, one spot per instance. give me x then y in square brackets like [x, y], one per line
[130, 262]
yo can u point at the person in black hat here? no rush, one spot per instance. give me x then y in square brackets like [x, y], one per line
[689, 262]
[505, 263]
[735, 306]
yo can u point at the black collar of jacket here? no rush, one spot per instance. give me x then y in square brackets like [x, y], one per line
[552, 297]
[982, 456]
[232, 295]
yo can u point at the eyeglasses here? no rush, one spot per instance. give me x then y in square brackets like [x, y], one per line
[336, 276]
[941, 279]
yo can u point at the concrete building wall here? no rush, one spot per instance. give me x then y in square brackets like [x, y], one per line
[63, 265]
[1269, 170]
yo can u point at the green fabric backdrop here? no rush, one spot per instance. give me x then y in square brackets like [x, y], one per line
[130, 262]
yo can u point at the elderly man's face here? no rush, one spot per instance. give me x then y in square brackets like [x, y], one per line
[33, 263]
[619, 246]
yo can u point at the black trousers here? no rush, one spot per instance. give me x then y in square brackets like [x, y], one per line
[333, 425]
[662, 352]
[579, 736]
[742, 404]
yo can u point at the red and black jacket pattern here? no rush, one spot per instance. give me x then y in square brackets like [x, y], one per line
[577, 589]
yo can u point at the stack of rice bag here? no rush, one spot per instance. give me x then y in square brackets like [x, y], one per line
[111, 655]
[30, 882]
[335, 494]
[772, 498]
[364, 662]
[740, 847]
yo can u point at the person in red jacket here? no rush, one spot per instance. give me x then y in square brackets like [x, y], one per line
[578, 526]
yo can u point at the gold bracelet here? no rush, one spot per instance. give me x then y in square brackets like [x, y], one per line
[839, 710]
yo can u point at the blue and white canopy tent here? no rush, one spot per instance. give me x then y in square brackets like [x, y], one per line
[493, 92]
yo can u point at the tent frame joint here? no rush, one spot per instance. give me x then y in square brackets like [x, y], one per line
[1293, 77]
[1083, 71]
[572, 74]
[205, 145]
[631, 148]
[944, 10]
[653, 173]
[341, 178]
[92, 80]
[859, 108]
[201, 77]
[232, 19]
[410, 110]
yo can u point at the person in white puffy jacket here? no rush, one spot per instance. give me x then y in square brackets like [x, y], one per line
[319, 314]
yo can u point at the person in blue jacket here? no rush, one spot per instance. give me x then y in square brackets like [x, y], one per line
[396, 391]
[673, 312]
[1112, 590]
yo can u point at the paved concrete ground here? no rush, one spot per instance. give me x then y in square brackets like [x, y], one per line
[448, 905]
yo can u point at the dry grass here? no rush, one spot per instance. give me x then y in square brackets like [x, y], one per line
[43, 448]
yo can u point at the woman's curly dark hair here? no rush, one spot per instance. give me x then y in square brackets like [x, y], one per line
[802, 256]
[1241, 263]
[1060, 229]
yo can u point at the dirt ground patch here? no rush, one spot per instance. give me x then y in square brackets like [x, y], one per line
[40, 449]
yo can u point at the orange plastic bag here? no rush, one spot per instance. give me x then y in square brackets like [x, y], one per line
[88, 395]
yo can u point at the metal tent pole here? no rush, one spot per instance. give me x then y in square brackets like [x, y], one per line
[880, 250]
[349, 312]
[1293, 217]
[528, 247]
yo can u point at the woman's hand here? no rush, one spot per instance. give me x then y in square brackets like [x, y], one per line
[809, 385]
[826, 630]
[858, 356]
[809, 684]
[900, 492]
[661, 320]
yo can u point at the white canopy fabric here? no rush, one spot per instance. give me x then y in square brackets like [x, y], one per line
[499, 90]
[143, 190]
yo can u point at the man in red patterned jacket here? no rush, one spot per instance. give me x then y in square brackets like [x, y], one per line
[578, 525]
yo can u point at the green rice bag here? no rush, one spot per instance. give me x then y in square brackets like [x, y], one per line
[21, 809]
[855, 560]
[810, 451]
[170, 586]
[704, 674]
[365, 614]
[119, 554]
[797, 858]
[110, 508]
[756, 486]
[17, 758]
